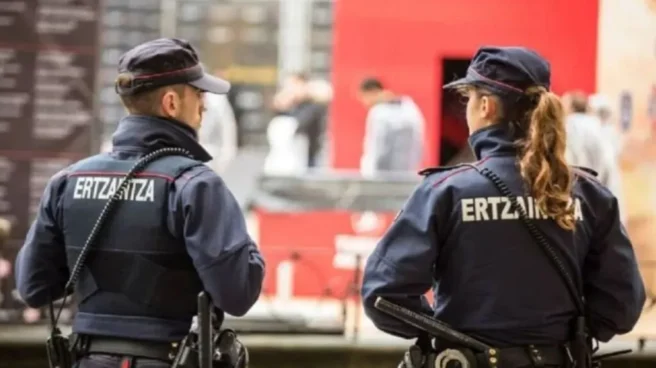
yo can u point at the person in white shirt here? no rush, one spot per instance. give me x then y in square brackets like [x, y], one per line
[218, 131]
[394, 135]
[587, 146]
[601, 108]
[288, 151]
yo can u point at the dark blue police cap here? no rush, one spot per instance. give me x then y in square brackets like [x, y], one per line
[164, 62]
[506, 70]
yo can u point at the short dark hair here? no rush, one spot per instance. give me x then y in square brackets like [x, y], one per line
[578, 102]
[371, 84]
[146, 102]
[300, 75]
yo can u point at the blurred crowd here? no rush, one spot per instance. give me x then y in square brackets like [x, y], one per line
[298, 137]
[297, 132]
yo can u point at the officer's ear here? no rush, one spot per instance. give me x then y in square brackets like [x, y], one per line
[489, 107]
[171, 103]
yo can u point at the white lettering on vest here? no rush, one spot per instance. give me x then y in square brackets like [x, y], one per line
[102, 187]
[500, 208]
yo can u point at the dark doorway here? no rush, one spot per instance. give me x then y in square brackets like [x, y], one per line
[454, 148]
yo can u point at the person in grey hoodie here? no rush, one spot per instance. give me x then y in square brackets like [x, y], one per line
[394, 135]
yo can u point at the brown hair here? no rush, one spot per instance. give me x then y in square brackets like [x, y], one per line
[542, 160]
[145, 103]
[538, 121]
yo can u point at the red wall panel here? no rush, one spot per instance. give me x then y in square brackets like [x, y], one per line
[404, 41]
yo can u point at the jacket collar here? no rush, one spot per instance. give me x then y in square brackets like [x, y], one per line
[148, 133]
[494, 140]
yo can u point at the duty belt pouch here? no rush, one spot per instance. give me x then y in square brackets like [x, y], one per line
[58, 349]
[579, 348]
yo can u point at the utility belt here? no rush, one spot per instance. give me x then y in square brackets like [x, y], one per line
[83, 345]
[440, 346]
[205, 346]
[524, 356]
[226, 350]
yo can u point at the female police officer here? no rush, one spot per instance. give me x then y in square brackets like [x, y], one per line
[459, 235]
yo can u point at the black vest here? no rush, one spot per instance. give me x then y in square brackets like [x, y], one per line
[136, 267]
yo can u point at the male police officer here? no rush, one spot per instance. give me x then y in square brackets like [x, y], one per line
[176, 231]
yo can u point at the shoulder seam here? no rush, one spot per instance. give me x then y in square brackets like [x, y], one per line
[452, 174]
[595, 181]
[460, 168]
[190, 177]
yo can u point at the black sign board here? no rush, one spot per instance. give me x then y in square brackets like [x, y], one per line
[48, 59]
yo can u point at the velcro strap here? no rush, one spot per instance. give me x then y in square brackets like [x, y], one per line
[133, 348]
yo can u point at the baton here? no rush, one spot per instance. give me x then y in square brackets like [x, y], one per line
[205, 353]
[430, 325]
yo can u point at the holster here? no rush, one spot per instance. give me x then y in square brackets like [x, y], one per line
[229, 352]
[580, 346]
[232, 353]
[59, 351]
[424, 355]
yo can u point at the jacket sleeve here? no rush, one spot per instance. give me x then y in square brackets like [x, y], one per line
[214, 230]
[401, 267]
[41, 266]
[614, 290]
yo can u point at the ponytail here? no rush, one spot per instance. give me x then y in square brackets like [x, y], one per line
[542, 161]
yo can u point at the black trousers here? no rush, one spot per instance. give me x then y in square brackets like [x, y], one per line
[113, 361]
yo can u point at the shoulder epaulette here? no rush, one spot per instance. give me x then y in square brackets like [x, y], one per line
[432, 170]
[587, 170]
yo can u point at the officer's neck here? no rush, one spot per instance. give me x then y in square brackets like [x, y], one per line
[492, 140]
[178, 123]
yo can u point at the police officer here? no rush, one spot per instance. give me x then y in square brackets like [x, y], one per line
[177, 229]
[459, 236]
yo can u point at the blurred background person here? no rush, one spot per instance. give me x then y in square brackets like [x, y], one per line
[600, 107]
[288, 151]
[587, 146]
[321, 94]
[296, 134]
[5, 229]
[308, 112]
[218, 131]
[394, 132]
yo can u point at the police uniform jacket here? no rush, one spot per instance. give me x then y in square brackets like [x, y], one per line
[458, 235]
[176, 231]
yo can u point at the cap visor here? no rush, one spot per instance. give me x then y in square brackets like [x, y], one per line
[211, 84]
[459, 83]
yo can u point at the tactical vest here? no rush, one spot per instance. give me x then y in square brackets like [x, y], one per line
[136, 267]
